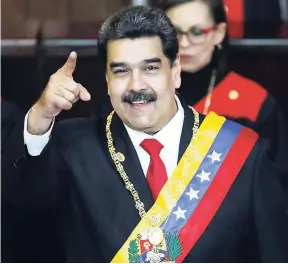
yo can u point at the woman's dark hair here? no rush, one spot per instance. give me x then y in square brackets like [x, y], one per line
[137, 22]
[218, 14]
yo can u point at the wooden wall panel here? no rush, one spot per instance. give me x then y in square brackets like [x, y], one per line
[51, 15]
[48, 10]
[14, 14]
[87, 10]
[59, 18]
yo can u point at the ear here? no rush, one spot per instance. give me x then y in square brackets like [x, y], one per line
[106, 76]
[176, 72]
[219, 33]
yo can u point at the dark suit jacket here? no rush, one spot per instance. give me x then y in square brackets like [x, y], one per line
[76, 174]
[11, 116]
[11, 121]
[30, 233]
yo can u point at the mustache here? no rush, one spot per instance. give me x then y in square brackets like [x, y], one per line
[133, 96]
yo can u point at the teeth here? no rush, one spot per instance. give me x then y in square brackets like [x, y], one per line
[140, 102]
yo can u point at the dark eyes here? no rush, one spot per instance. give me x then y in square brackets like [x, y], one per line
[120, 71]
[149, 69]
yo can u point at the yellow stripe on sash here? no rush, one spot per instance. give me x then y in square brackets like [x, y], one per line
[178, 181]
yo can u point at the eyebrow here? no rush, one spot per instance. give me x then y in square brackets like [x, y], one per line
[153, 60]
[146, 61]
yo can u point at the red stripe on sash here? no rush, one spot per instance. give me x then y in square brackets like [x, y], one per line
[217, 191]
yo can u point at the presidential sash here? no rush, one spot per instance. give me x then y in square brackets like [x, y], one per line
[192, 194]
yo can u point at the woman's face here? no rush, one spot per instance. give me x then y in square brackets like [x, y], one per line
[197, 33]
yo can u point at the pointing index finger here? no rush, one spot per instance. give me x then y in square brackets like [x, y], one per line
[69, 67]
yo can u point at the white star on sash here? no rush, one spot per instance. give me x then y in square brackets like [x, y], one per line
[180, 213]
[214, 156]
[204, 176]
[192, 194]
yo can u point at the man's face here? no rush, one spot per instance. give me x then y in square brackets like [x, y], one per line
[141, 83]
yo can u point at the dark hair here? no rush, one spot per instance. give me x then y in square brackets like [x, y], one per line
[218, 14]
[137, 22]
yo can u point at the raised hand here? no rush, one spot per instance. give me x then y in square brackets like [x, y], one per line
[60, 94]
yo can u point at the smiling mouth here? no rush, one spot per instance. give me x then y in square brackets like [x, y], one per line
[140, 104]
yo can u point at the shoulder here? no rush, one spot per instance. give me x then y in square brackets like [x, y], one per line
[246, 153]
[245, 95]
[259, 169]
[270, 110]
[252, 86]
[239, 139]
[243, 82]
[243, 89]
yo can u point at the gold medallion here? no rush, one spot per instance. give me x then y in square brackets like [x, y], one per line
[156, 236]
[120, 156]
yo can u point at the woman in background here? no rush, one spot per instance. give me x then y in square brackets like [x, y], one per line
[207, 82]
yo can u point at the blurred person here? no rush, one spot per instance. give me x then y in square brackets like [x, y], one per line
[208, 83]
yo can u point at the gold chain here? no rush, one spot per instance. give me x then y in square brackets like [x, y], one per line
[129, 186]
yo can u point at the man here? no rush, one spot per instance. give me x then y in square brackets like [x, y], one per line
[209, 195]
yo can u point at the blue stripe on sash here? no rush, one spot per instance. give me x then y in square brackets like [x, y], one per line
[203, 178]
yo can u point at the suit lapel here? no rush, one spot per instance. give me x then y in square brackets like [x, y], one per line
[187, 131]
[131, 164]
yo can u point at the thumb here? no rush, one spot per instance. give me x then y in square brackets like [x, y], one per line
[69, 67]
[84, 94]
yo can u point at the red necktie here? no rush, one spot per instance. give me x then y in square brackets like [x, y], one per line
[156, 174]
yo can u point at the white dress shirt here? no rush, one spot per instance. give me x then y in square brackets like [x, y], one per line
[169, 137]
[35, 143]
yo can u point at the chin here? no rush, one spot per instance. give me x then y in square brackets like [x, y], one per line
[142, 125]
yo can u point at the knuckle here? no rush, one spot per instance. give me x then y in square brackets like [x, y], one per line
[60, 104]
[73, 87]
[70, 97]
[67, 105]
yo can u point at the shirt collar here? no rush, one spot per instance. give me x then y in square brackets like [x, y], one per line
[169, 136]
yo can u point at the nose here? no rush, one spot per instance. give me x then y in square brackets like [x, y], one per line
[136, 82]
[184, 41]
